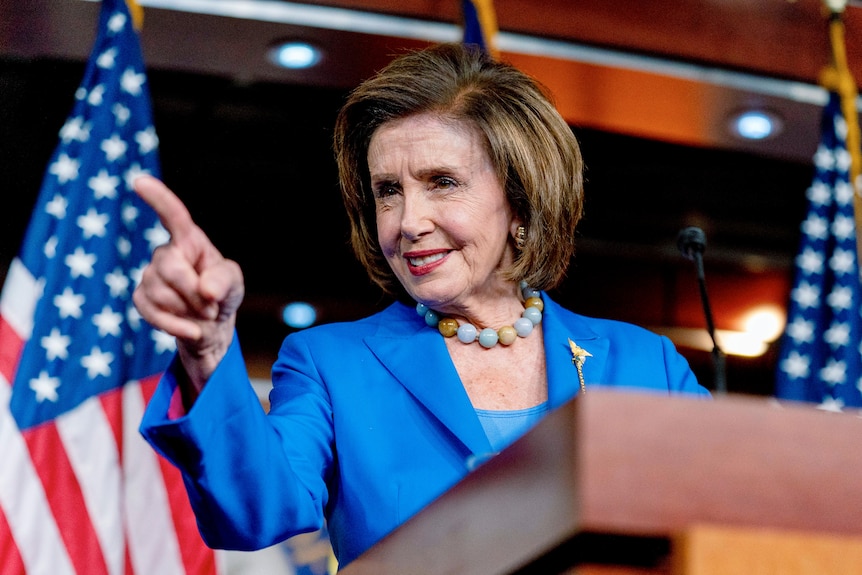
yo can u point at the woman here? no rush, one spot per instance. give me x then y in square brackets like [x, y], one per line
[463, 185]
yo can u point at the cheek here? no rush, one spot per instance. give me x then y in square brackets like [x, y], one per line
[388, 232]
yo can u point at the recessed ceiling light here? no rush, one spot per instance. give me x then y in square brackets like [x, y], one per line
[299, 315]
[755, 124]
[295, 55]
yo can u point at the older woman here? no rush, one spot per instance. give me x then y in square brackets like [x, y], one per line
[463, 185]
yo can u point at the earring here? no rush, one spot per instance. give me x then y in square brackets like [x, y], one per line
[521, 237]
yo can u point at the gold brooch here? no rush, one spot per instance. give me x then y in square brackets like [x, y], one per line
[579, 356]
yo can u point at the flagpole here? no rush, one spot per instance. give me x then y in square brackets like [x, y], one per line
[838, 78]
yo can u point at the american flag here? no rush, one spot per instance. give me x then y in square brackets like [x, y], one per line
[480, 24]
[80, 491]
[820, 359]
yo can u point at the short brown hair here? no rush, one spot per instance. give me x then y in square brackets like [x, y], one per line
[536, 155]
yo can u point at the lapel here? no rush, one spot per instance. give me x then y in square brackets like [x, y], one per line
[417, 357]
[559, 326]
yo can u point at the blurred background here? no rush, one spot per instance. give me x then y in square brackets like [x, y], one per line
[651, 89]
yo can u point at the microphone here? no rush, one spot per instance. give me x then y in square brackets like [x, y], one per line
[692, 243]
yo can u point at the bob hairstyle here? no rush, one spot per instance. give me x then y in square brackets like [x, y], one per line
[537, 157]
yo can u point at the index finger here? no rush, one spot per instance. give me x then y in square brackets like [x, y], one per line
[172, 212]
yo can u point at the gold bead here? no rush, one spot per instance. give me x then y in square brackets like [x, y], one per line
[447, 326]
[507, 334]
[535, 302]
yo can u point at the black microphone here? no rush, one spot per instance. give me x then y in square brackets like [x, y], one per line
[692, 243]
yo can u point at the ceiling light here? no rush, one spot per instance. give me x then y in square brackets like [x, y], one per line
[295, 55]
[755, 124]
[299, 315]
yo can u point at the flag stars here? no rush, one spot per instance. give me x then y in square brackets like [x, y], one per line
[118, 283]
[133, 173]
[69, 304]
[116, 22]
[121, 114]
[824, 159]
[843, 227]
[843, 193]
[96, 96]
[124, 246]
[45, 387]
[107, 59]
[157, 235]
[56, 345]
[164, 342]
[129, 213]
[838, 335]
[93, 224]
[97, 363]
[50, 249]
[831, 404]
[796, 365]
[842, 261]
[104, 185]
[810, 261]
[57, 206]
[819, 194]
[114, 147]
[840, 298]
[65, 168]
[801, 330]
[834, 372]
[75, 129]
[147, 140]
[80, 263]
[815, 227]
[131, 82]
[842, 160]
[108, 322]
[806, 295]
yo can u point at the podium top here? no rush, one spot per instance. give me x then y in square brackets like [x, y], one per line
[638, 464]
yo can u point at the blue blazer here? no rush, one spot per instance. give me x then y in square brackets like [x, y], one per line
[368, 423]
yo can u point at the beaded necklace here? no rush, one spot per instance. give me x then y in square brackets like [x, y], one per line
[488, 337]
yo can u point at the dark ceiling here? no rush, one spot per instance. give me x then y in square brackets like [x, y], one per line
[645, 85]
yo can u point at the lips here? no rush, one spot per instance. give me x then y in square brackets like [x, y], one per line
[423, 263]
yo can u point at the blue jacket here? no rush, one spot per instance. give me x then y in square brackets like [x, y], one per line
[368, 423]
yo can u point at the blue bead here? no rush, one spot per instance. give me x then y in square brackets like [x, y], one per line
[523, 326]
[432, 318]
[533, 314]
[529, 292]
[467, 333]
[488, 338]
[421, 309]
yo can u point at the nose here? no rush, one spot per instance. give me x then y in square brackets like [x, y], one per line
[416, 215]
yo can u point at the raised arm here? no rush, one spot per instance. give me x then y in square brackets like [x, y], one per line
[189, 290]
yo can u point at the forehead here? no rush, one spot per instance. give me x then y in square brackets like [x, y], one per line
[425, 132]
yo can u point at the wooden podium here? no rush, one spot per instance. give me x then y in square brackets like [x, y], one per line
[632, 483]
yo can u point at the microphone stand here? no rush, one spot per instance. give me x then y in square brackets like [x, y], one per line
[692, 243]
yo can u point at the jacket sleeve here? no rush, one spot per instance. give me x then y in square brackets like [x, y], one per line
[245, 490]
[680, 377]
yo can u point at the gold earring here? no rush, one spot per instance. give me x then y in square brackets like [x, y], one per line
[521, 237]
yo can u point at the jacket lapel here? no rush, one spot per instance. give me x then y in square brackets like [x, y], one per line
[559, 326]
[417, 357]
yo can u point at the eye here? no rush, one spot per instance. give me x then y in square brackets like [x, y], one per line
[386, 189]
[445, 183]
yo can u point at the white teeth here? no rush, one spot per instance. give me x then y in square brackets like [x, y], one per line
[425, 259]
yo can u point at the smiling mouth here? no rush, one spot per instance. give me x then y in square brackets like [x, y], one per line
[425, 260]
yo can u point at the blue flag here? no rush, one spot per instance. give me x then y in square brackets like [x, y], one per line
[80, 491]
[820, 357]
[480, 24]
